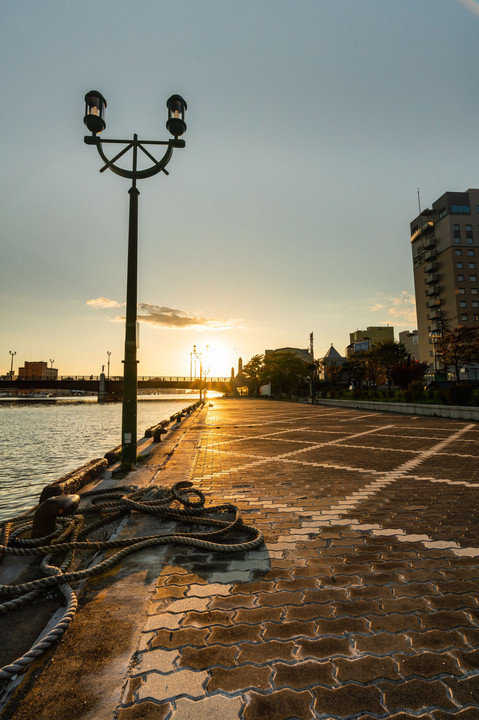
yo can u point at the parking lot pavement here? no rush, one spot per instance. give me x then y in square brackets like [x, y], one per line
[363, 603]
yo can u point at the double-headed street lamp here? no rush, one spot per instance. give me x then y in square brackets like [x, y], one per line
[95, 121]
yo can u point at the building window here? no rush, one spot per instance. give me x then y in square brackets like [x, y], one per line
[463, 304]
[469, 240]
[459, 265]
[460, 278]
[470, 252]
[472, 266]
[461, 209]
[473, 291]
[457, 239]
[461, 291]
[458, 252]
[475, 303]
[469, 231]
[463, 316]
[473, 278]
[476, 317]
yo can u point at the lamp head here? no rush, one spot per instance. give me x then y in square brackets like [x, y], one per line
[95, 105]
[176, 115]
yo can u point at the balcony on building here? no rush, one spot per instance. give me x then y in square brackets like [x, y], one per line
[435, 314]
[432, 277]
[433, 291]
[426, 232]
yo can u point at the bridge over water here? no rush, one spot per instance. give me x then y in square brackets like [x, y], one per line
[112, 388]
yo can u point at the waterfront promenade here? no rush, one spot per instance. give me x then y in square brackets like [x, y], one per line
[363, 602]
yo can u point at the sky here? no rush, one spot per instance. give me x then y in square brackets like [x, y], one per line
[311, 126]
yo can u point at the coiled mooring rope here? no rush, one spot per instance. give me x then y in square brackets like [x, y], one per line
[181, 503]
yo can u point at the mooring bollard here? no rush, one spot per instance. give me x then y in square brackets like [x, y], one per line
[44, 520]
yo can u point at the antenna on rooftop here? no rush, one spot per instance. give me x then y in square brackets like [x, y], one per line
[419, 201]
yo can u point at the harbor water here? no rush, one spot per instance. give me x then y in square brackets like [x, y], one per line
[43, 439]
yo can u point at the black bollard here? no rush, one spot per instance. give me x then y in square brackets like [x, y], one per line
[44, 520]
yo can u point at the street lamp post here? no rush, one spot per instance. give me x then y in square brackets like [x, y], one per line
[11, 366]
[108, 353]
[95, 105]
[199, 355]
[433, 335]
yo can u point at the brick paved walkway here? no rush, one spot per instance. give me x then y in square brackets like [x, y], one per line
[363, 603]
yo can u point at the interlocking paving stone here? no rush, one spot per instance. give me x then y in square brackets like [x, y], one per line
[181, 682]
[265, 652]
[279, 705]
[203, 658]
[239, 678]
[428, 664]
[161, 660]
[366, 669]
[325, 647]
[235, 634]
[415, 694]
[216, 707]
[178, 638]
[348, 700]
[303, 674]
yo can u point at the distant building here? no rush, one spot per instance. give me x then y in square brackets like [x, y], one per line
[331, 358]
[37, 371]
[376, 334]
[410, 340]
[445, 253]
[302, 354]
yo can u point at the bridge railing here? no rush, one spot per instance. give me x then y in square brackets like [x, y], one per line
[119, 378]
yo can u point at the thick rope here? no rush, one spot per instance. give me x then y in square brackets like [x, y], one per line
[69, 534]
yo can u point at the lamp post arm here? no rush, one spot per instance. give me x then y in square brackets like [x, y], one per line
[135, 174]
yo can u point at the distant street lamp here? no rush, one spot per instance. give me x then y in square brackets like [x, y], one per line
[95, 105]
[51, 363]
[108, 353]
[11, 367]
[199, 355]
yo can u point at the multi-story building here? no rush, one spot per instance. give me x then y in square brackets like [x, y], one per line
[410, 340]
[37, 371]
[445, 251]
[375, 334]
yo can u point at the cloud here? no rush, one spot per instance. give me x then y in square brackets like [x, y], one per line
[400, 310]
[162, 316]
[101, 303]
[167, 317]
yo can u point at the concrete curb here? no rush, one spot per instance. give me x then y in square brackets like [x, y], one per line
[451, 412]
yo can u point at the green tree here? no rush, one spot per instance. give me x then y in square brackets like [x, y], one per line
[355, 369]
[458, 348]
[285, 371]
[253, 372]
[403, 374]
[388, 354]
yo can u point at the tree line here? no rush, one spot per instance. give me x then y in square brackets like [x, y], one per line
[386, 364]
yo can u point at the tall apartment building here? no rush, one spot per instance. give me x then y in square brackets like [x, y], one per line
[445, 251]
